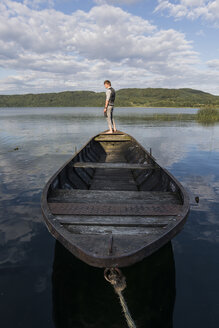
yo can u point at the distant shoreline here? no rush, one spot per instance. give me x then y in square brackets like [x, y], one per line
[160, 107]
[139, 98]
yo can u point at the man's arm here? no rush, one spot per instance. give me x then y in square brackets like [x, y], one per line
[106, 105]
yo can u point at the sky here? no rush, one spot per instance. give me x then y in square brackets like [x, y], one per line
[60, 45]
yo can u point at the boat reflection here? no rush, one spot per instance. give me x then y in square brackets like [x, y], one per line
[82, 297]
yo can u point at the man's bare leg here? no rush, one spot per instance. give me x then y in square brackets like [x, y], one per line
[113, 122]
[109, 120]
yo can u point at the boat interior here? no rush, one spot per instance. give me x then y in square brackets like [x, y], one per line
[115, 162]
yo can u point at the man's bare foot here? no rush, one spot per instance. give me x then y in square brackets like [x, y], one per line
[109, 132]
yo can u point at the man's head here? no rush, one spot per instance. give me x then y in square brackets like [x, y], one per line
[107, 84]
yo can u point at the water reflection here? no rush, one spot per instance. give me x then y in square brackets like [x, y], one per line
[82, 298]
[46, 139]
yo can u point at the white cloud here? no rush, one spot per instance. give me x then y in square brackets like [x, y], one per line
[191, 9]
[214, 64]
[116, 2]
[53, 51]
[192, 3]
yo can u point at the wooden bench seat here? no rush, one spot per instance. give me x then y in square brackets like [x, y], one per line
[113, 196]
[108, 165]
[112, 138]
[114, 209]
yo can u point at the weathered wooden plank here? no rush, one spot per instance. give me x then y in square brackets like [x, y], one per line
[113, 185]
[98, 196]
[114, 133]
[112, 137]
[114, 159]
[114, 209]
[109, 165]
[134, 221]
[99, 244]
[114, 179]
[95, 230]
[113, 172]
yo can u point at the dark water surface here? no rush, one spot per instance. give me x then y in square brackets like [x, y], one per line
[42, 285]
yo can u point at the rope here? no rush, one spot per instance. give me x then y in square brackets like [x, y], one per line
[116, 278]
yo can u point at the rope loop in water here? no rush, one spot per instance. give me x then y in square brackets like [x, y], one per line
[117, 279]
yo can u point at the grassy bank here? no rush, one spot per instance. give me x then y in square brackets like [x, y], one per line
[203, 116]
[208, 115]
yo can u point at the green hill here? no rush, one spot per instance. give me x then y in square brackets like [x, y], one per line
[149, 97]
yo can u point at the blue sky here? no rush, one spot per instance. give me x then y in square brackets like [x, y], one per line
[54, 45]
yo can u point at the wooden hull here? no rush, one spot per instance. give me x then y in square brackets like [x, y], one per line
[111, 204]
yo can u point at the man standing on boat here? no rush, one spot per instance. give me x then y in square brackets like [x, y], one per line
[109, 106]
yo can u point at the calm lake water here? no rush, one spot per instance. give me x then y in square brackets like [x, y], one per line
[42, 285]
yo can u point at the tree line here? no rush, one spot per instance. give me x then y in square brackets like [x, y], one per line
[133, 97]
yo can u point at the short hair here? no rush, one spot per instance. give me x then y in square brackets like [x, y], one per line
[107, 82]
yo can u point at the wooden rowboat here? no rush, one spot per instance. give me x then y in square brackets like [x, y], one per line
[111, 204]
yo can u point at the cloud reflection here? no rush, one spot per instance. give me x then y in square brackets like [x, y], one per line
[188, 150]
